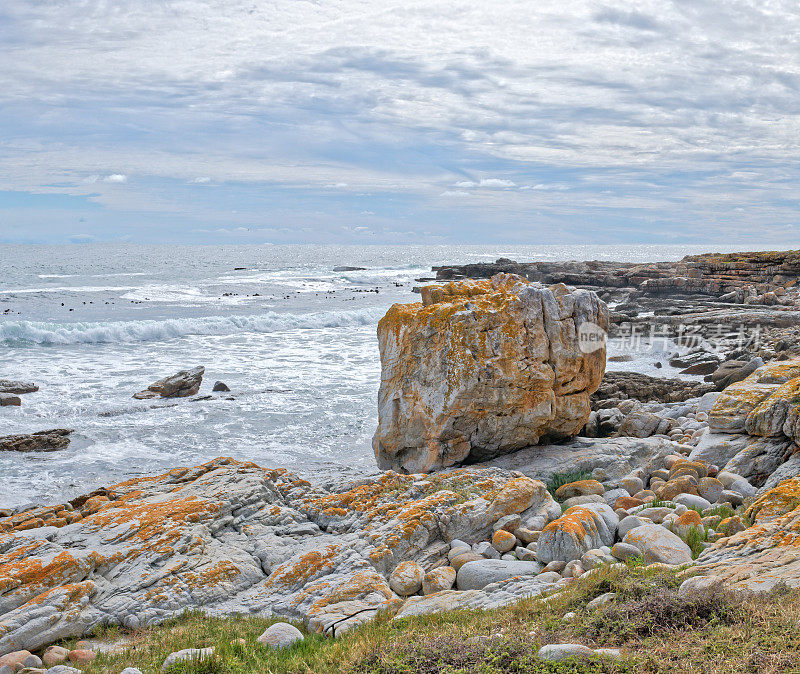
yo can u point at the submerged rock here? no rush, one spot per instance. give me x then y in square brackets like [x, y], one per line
[483, 368]
[180, 385]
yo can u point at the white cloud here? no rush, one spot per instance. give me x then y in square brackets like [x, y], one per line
[116, 178]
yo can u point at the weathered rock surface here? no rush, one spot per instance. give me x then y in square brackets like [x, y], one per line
[41, 441]
[233, 537]
[619, 386]
[180, 385]
[10, 400]
[483, 368]
[616, 457]
[17, 387]
[766, 554]
[580, 529]
[657, 544]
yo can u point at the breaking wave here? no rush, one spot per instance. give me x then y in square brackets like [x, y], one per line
[13, 332]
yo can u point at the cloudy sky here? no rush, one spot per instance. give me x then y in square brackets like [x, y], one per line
[375, 121]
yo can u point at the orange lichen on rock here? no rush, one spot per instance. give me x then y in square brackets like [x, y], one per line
[295, 573]
[776, 502]
[481, 368]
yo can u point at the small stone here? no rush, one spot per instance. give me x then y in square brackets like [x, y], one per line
[406, 579]
[525, 554]
[594, 559]
[220, 386]
[734, 498]
[503, 541]
[459, 560]
[281, 635]
[81, 656]
[569, 616]
[31, 662]
[438, 580]
[597, 602]
[579, 488]
[526, 535]
[557, 652]
[130, 670]
[623, 551]
[627, 502]
[55, 655]
[66, 669]
[187, 655]
[507, 523]
[485, 549]
[692, 501]
[608, 652]
[631, 484]
[583, 500]
[558, 566]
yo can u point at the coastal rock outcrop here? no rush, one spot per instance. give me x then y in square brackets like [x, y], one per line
[231, 537]
[180, 385]
[41, 441]
[483, 368]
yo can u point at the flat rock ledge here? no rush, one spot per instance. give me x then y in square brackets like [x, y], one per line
[232, 537]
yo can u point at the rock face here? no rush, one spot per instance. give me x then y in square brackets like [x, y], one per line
[42, 441]
[767, 553]
[483, 368]
[232, 537]
[180, 385]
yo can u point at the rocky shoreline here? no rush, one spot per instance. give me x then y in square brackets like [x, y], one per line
[700, 477]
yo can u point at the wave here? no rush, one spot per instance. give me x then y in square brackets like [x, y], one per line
[21, 332]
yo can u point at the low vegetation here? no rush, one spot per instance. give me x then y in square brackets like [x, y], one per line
[560, 479]
[657, 630]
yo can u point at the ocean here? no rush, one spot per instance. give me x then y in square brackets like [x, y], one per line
[289, 329]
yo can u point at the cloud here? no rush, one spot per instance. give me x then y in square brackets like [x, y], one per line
[674, 113]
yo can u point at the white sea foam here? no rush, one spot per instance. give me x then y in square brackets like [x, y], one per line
[143, 331]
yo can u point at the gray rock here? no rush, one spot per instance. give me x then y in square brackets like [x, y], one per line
[790, 468]
[658, 544]
[128, 670]
[187, 655]
[280, 635]
[220, 386]
[583, 500]
[597, 602]
[486, 549]
[477, 575]
[692, 501]
[624, 551]
[577, 532]
[558, 652]
[639, 424]
[616, 456]
[66, 669]
[507, 523]
[734, 370]
[612, 495]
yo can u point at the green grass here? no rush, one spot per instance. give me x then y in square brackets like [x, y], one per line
[657, 630]
[560, 479]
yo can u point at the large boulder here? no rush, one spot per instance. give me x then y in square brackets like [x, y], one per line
[658, 544]
[483, 368]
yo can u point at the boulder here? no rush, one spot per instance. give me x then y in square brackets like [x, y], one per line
[406, 579]
[730, 411]
[734, 371]
[577, 531]
[477, 575]
[483, 368]
[187, 655]
[579, 488]
[439, 580]
[658, 545]
[180, 385]
[220, 387]
[280, 635]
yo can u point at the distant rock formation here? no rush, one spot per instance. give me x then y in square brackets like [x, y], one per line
[180, 385]
[17, 387]
[483, 368]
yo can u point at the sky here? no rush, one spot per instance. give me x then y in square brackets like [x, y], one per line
[442, 121]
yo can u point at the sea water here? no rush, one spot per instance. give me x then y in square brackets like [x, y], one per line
[292, 338]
